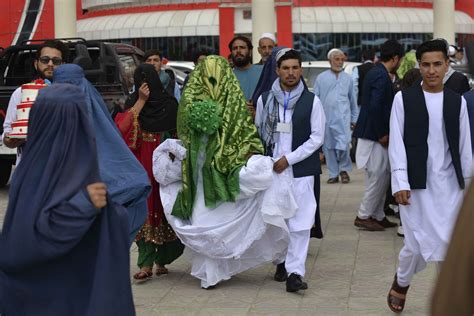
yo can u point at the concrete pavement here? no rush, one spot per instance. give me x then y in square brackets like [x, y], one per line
[348, 272]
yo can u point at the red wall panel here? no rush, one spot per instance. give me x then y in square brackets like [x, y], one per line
[45, 28]
[10, 15]
[284, 26]
[466, 6]
[226, 30]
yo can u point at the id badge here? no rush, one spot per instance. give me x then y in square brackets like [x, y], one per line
[283, 127]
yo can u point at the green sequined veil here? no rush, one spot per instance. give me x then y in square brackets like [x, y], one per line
[213, 84]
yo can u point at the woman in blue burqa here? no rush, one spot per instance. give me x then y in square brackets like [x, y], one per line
[126, 180]
[64, 243]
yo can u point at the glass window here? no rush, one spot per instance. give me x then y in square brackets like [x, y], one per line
[129, 64]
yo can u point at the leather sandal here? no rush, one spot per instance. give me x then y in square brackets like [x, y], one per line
[397, 296]
[161, 270]
[143, 275]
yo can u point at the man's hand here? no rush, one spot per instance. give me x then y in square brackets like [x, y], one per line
[98, 194]
[250, 108]
[384, 141]
[12, 142]
[280, 165]
[144, 92]
[402, 197]
[353, 126]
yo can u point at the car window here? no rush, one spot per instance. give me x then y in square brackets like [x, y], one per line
[129, 65]
[311, 73]
[21, 69]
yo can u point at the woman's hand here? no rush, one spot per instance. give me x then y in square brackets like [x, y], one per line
[98, 194]
[144, 92]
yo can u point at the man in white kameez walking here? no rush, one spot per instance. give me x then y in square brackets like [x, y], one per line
[290, 121]
[431, 162]
[335, 89]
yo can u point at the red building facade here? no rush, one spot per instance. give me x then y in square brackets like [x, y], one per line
[34, 19]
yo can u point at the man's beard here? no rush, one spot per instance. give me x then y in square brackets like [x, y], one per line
[241, 61]
[42, 75]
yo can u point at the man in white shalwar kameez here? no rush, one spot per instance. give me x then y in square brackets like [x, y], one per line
[335, 89]
[431, 160]
[291, 121]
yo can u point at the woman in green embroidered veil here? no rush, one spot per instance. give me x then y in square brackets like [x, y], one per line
[217, 190]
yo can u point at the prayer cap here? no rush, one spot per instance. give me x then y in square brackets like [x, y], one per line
[282, 52]
[269, 36]
[334, 50]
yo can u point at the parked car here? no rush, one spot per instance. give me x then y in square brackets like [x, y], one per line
[312, 69]
[464, 69]
[109, 66]
[179, 75]
[183, 66]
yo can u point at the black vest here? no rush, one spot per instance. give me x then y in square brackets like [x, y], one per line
[363, 70]
[301, 131]
[415, 135]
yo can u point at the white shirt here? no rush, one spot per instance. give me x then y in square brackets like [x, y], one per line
[302, 188]
[10, 117]
[432, 212]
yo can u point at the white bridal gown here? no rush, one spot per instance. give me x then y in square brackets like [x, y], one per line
[234, 236]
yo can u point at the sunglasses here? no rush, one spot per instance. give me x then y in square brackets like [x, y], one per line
[45, 60]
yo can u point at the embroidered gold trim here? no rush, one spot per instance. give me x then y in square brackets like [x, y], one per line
[149, 137]
[157, 235]
[134, 137]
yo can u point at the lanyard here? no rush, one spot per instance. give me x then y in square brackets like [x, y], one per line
[286, 101]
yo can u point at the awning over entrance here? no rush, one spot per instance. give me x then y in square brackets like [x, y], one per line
[371, 20]
[304, 20]
[151, 24]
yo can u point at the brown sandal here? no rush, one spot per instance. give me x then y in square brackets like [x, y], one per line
[161, 270]
[143, 275]
[397, 296]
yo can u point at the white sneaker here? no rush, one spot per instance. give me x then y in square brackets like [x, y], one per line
[400, 231]
[394, 207]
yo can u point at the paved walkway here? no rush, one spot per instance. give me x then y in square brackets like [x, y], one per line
[348, 272]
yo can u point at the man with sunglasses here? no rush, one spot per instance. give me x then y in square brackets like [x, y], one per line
[49, 55]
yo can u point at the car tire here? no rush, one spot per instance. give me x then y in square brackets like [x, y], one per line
[5, 171]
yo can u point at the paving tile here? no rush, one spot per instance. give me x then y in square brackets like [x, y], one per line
[242, 311]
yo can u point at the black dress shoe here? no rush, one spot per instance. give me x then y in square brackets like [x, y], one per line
[316, 233]
[280, 273]
[386, 223]
[294, 283]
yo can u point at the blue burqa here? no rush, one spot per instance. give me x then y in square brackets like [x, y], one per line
[268, 75]
[127, 182]
[61, 255]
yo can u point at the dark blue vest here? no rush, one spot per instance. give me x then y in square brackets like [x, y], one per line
[301, 131]
[415, 135]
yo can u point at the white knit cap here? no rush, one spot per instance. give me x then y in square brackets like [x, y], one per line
[282, 52]
[269, 36]
[334, 50]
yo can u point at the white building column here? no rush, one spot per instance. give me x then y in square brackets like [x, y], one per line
[443, 20]
[65, 18]
[263, 21]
